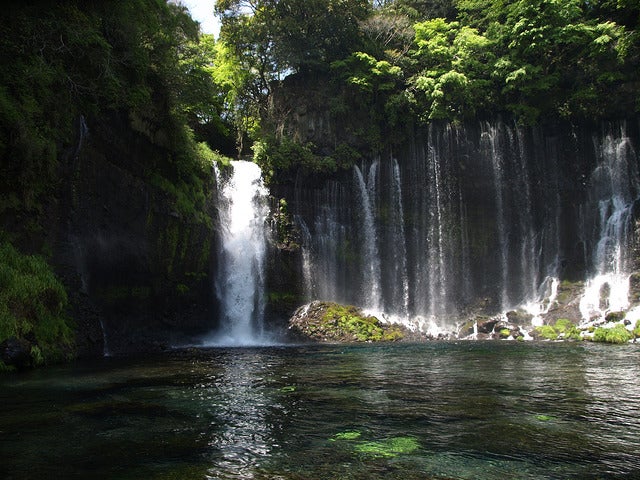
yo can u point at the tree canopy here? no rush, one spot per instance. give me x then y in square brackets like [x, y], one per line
[401, 61]
[407, 61]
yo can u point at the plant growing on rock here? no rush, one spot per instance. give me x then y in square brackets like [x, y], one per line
[617, 334]
[505, 333]
[332, 322]
[33, 307]
[546, 332]
[562, 329]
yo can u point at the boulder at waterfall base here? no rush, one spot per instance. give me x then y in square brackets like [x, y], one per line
[334, 323]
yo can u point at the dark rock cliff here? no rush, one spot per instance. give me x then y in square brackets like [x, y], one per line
[137, 269]
[466, 217]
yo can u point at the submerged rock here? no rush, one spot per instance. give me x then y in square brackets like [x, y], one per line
[335, 323]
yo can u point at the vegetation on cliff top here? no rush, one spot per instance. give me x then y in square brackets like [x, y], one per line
[390, 64]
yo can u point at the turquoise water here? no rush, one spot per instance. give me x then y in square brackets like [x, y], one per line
[464, 410]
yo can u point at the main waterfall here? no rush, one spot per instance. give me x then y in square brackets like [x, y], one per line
[482, 218]
[243, 209]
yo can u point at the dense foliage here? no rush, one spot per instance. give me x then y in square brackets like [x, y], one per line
[140, 60]
[408, 61]
[33, 306]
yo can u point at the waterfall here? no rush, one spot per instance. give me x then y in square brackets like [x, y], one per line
[614, 187]
[331, 245]
[436, 266]
[399, 280]
[240, 278]
[473, 220]
[496, 151]
[306, 256]
[366, 189]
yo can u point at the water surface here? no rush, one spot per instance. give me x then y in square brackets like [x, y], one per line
[464, 410]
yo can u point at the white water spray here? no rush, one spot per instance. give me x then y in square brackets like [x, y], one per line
[240, 283]
[614, 188]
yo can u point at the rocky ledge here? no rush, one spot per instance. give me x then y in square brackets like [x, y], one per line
[334, 323]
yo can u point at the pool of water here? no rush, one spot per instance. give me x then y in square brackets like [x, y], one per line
[459, 410]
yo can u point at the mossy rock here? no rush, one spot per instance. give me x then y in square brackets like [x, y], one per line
[391, 447]
[634, 288]
[615, 316]
[567, 330]
[519, 317]
[545, 332]
[617, 334]
[336, 323]
[504, 333]
[563, 329]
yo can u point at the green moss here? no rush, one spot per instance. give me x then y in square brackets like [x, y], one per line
[568, 329]
[505, 333]
[544, 418]
[636, 330]
[617, 334]
[33, 304]
[562, 325]
[347, 320]
[188, 197]
[547, 332]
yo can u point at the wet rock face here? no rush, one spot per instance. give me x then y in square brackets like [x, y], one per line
[136, 266]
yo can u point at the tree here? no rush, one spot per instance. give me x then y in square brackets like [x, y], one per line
[553, 56]
[285, 36]
[455, 63]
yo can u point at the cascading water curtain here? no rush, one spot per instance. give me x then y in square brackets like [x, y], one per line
[614, 188]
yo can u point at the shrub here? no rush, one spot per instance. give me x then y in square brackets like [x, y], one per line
[547, 332]
[617, 334]
[568, 329]
[33, 305]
